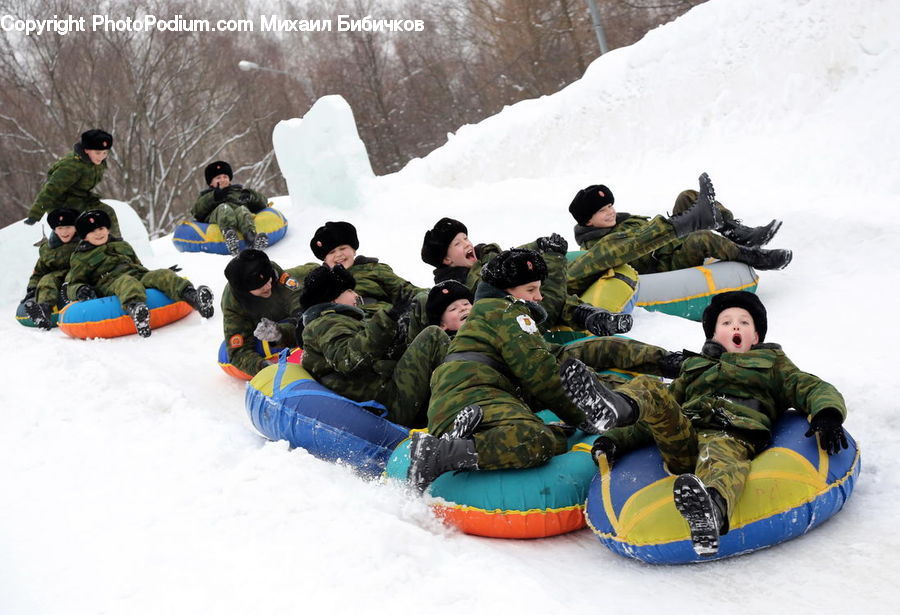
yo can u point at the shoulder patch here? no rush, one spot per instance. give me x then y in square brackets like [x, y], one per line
[287, 280]
[527, 323]
[236, 341]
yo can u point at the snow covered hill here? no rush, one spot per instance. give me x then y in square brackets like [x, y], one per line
[134, 483]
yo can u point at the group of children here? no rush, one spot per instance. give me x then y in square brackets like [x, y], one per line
[467, 358]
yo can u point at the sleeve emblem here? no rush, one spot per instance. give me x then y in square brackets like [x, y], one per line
[527, 323]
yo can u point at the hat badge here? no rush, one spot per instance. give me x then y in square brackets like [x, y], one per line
[601, 193]
[319, 244]
[530, 266]
[105, 144]
[445, 291]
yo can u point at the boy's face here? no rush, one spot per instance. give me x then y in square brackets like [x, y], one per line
[455, 315]
[341, 255]
[605, 217]
[220, 181]
[348, 297]
[735, 330]
[65, 233]
[460, 252]
[98, 236]
[97, 155]
[264, 291]
[529, 292]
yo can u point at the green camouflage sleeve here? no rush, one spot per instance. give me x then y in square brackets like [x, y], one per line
[804, 391]
[80, 269]
[253, 200]
[40, 268]
[203, 207]
[239, 339]
[346, 349]
[59, 181]
[395, 286]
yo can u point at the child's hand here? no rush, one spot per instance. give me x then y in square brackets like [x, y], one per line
[603, 446]
[827, 423]
[267, 331]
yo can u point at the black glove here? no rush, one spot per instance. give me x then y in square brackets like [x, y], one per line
[670, 365]
[175, 268]
[30, 293]
[827, 423]
[244, 197]
[85, 293]
[220, 194]
[403, 304]
[603, 446]
[553, 243]
[31, 221]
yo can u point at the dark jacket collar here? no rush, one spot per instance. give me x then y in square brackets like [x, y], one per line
[84, 245]
[364, 260]
[715, 350]
[589, 233]
[458, 273]
[210, 189]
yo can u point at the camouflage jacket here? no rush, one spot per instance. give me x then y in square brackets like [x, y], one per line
[53, 257]
[626, 225]
[347, 350]
[95, 264]
[237, 195]
[377, 282]
[502, 332]
[69, 184]
[743, 392]
[240, 315]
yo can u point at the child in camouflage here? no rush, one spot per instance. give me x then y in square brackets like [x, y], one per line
[103, 265]
[230, 206]
[44, 286]
[715, 416]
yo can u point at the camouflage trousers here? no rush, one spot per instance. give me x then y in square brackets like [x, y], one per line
[408, 390]
[48, 288]
[237, 217]
[605, 353]
[720, 459]
[130, 289]
[603, 255]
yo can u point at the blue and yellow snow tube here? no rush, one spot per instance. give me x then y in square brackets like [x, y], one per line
[104, 317]
[193, 236]
[264, 349]
[544, 501]
[285, 403]
[793, 487]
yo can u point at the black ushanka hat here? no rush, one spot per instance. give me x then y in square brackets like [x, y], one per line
[331, 235]
[219, 167]
[91, 220]
[441, 296]
[589, 200]
[249, 270]
[62, 217]
[513, 268]
[437, 240]
[96, 139]
[740, 299]
[324, 284]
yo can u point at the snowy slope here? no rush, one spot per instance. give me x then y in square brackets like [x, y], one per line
[134, 483]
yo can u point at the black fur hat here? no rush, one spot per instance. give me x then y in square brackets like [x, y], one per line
[219, 167]
[332, 235]
[249, 270]
[62, 217]
[441, 296]
[589, 200]
[90, 220]
[324, 284]
[96, 139]
[514, 268]
[437, 240]
[740, 299]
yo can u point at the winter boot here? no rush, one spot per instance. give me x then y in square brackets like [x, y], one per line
[750, 236]
[702, 215]
[600, 322]
[261, 241]
[430, 457]
[764, 260]
[231, 241]
[39, 313]
[603, 409]
[465, 423]
[140, 314]
[704, 511]
[201, 299]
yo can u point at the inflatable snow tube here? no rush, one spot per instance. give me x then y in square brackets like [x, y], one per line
[285, 403]
[687, 292]
[104, 317]
[24, 319]
[267, 351]
[193, 236]
[793, 487]
[535, 503]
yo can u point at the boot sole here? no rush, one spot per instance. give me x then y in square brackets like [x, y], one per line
[466, 422]
[37, 316]
[696, 506]
[141, 318]
[581, 387]
[205, 302]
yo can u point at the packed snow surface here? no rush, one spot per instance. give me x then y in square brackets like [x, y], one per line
[134, 482]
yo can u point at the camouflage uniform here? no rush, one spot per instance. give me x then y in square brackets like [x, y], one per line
[377, 283]
[114, 269]
[500, 361]
[51, 269]
[719, 412]
[356, 355]
[235, 212]
[240, 317]
[69, 184]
